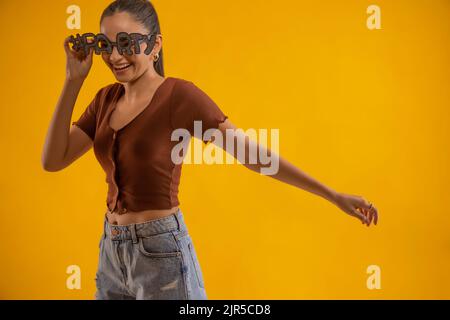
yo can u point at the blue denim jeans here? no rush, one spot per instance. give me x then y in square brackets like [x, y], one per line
[151, 260]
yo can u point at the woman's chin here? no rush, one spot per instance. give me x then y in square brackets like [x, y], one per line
[123, 77]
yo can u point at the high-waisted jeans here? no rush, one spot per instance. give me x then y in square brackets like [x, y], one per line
[151, 260]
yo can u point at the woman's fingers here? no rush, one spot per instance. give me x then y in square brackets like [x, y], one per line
[359, 211]
[66, 45]
[79, 55]
[375, 215]
[371, 211]
[69, 52]
[91, 50]
[363, 212]
[359, 215]
[90, 56]
[82, 55]
[367, 215]
[371, 214]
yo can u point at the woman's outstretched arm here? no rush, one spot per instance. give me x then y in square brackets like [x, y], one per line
[353, 205]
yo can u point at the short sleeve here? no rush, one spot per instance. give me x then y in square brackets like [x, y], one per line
[88, 119]
[189, 103]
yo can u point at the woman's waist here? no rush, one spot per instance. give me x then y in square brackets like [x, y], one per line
[141, 216]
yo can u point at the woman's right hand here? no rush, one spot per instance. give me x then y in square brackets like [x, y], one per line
[77, 65]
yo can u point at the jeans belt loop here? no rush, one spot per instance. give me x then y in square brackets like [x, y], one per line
[105, 226]
[175, 214]
[134, 233]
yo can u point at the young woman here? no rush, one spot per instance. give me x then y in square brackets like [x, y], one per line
[146, 251]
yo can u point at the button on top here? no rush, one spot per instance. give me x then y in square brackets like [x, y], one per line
[115, 232]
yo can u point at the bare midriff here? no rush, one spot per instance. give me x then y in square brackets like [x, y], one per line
[138, 217]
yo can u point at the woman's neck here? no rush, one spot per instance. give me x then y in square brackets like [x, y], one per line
[141, 88]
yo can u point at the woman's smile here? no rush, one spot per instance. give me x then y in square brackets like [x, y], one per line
[121, 67]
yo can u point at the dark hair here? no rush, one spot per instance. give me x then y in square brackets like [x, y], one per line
[144, 12]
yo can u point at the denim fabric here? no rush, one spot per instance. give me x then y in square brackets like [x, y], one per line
[151, 260]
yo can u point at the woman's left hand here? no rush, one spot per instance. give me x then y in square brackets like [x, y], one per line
[357, 207]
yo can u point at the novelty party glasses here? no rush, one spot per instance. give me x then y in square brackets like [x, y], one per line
[124, 42]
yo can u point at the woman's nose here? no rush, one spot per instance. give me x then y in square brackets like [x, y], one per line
[114, 56]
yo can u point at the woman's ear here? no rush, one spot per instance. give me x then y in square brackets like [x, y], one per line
[158, 43]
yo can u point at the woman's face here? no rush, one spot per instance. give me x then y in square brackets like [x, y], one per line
[138, 63]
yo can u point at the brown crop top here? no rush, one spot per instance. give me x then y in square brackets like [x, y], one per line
[137, 158]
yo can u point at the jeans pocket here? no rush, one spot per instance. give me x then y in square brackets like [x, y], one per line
[198, 270]
[161, 245]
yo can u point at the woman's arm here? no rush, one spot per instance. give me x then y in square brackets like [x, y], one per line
[353, 205]
[64, 144]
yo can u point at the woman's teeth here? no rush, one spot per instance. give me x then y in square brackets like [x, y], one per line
[122, 67]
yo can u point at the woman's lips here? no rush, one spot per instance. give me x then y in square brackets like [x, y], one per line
[121, 69]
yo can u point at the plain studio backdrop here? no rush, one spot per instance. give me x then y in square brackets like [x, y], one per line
[364, 111]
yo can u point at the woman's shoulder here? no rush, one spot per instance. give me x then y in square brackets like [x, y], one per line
[182, 87]
[178, 79]
[106, 91]
[182, 82]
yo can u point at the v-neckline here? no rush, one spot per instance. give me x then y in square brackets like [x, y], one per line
[116, 99]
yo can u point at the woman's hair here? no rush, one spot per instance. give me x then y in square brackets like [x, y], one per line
[143, 12]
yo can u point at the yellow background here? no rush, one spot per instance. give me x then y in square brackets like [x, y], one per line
[364, 111]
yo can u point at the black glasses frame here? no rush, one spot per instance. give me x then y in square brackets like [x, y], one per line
[124, 42]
